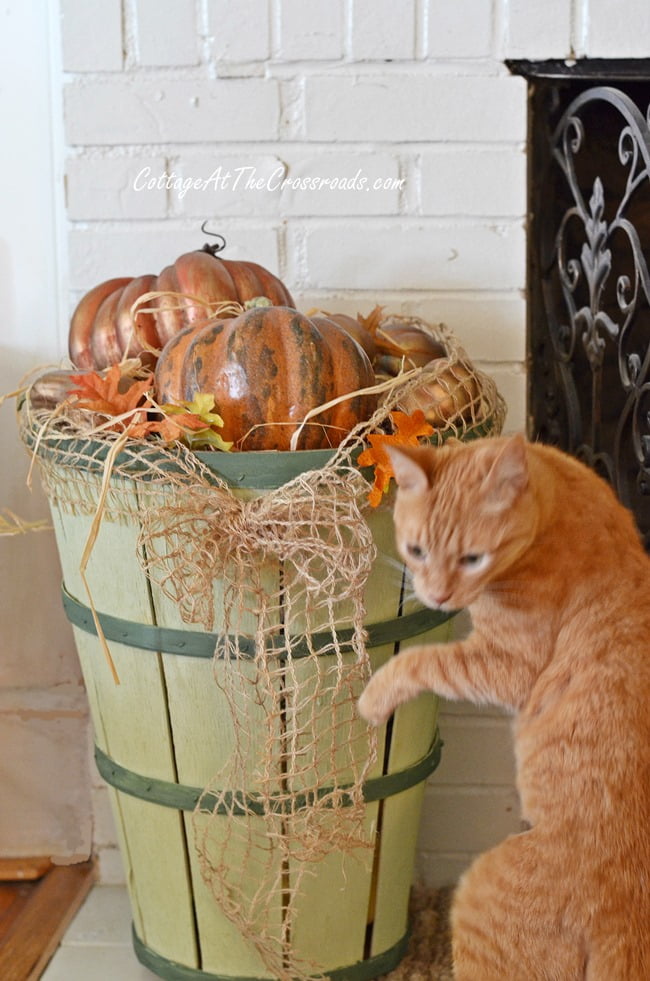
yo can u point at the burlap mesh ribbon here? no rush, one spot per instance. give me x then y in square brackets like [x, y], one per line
[291, 660]
[287, 569]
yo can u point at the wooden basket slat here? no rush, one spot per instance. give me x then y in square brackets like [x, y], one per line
[203, 727]
[331, 922]
[413, 729]
[131, 725]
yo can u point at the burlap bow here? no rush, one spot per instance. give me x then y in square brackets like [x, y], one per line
[313, 527]
[282, 576]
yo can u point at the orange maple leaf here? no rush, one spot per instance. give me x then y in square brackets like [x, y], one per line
[407, 432]
[103, 395]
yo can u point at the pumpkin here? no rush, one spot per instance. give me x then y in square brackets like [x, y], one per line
[452, 396]
[393, 344]
[102, 331]
[266, 369]
[353, 326]
[50, 389]
[401, 344]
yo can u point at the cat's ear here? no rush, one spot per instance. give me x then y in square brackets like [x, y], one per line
[409, 467]
[508, 475]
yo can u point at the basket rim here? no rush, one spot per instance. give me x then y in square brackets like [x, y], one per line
[254, 469]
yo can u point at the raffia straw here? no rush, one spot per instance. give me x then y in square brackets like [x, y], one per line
[11, 524]
[278, 425]
[13, 395]
[372, 390]
[229, 307]
[57, 411]
[90, 544]
[130, 367]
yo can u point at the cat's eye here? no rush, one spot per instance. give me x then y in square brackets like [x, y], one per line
[415, 551]
[472, 559]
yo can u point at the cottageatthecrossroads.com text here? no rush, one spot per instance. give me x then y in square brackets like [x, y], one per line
[247, 178]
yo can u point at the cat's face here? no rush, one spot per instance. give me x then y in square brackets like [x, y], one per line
[463, 515]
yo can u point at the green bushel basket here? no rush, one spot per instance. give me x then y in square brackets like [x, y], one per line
[162, 733]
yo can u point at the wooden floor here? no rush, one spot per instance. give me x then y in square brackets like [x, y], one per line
[37, 902]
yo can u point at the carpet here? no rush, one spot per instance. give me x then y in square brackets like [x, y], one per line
[428, 957]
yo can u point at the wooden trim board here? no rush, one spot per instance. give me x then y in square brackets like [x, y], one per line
[40, 924]
[23, 869]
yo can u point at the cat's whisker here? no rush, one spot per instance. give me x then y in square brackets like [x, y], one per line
[391, 562]
[410, 596]
[393, 569]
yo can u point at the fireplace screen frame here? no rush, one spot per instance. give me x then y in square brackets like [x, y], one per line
[588, 268]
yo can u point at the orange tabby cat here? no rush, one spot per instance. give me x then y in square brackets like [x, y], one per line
[558, 587]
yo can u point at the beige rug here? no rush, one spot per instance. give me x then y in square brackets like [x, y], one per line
[429, 952]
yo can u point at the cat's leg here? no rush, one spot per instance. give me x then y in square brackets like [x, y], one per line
[508, 920]
[470, 669]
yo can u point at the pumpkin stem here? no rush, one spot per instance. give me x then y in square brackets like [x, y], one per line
[216, 246]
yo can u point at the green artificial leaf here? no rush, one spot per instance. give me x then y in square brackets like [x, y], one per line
[200, 410]
[201, 405]
[208, 437]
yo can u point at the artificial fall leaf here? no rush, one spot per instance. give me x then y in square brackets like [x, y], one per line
[103, 395]
[168, 429]
[373, 321]
[209, 437]
[407, 432]
[190, 422]
[409, 427]
[198, 420]
[201, 406]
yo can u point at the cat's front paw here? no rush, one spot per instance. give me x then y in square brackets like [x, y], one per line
[375, 704]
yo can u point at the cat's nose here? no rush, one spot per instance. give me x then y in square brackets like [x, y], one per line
[441, 598]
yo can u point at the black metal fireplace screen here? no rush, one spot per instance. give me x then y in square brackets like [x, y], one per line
[588, 268]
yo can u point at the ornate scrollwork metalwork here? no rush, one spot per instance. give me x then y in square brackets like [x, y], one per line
[591, 334]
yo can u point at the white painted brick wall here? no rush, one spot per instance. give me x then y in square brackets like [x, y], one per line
[462, 29]
[539, 30]
[141, 109]
[410, 255]
[239, 32]
[103, 188]
[91, 35]
[382, 30]
[166, 33]
[310, 31]
[415, 107]
[480, 181]
[413, 95]
[624, 28]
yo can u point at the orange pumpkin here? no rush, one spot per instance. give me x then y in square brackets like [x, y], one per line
[403, 345]
[351, 325]
[102, 330]
[393, 344]
[267, 368]
[453, 395]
